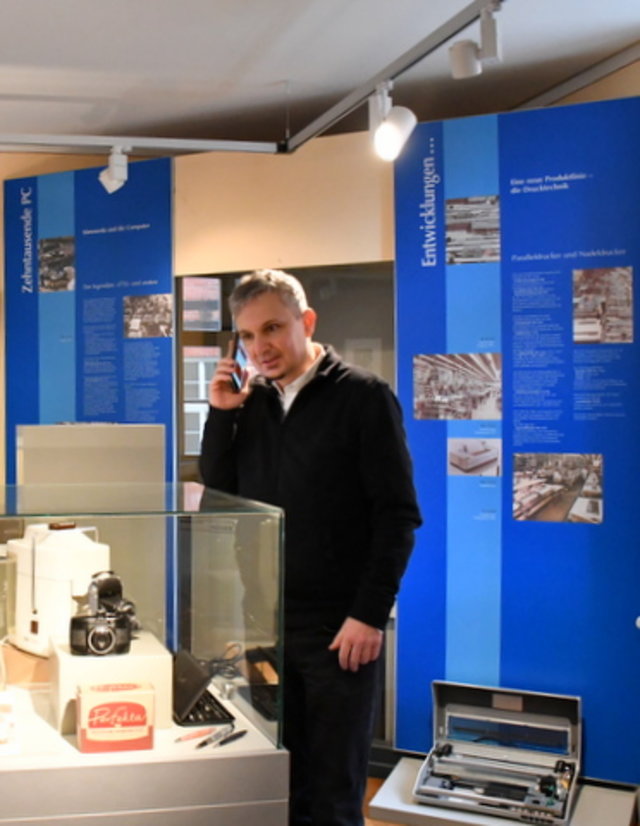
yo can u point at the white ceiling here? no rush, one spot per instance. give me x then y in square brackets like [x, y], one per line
[253, 69]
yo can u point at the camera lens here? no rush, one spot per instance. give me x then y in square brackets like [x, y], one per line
[101, 639]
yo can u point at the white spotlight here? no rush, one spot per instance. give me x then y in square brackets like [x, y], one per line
[116, 173]
[464, 57]
[390, 125]
[467, 57]
[393, 132]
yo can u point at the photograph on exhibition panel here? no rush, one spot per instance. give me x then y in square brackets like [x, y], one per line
[56, 264]
[457, 386]
[558, 487]
[474, 457]
[603, 305]
[473, 229]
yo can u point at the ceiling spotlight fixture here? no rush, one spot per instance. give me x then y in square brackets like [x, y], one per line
[467, 57]
[389, 125]
[464, 57]
[116, 173]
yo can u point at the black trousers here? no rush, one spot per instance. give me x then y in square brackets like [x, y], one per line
[329, 717]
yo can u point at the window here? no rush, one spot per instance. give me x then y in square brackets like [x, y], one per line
[198, 367]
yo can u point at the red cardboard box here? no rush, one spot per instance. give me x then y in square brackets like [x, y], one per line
[115, 717]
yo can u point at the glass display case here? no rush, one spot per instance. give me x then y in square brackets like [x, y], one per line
[172, 590]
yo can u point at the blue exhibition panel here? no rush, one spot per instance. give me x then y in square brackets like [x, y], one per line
[518, 249]
[89, 300]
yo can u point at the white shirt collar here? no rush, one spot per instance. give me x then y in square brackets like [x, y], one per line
[291, 390]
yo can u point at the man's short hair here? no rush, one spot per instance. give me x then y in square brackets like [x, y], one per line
[259, 282]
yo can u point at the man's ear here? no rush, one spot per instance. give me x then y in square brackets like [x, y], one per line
[309, 318]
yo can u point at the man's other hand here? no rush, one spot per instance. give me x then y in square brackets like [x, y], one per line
[357, 644]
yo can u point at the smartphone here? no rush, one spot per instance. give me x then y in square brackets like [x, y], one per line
[242, 362]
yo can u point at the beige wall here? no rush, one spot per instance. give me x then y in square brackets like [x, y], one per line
[331, 202]
[623, 83]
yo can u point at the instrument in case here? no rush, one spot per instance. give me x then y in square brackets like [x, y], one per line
[502, 752]
[55, 564]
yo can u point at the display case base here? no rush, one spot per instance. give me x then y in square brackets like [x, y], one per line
[46, 780]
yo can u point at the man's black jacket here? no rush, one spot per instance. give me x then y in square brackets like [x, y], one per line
[338, 465]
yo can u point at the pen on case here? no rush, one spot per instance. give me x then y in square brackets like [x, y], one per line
[219, 735]
[195, 735]
[236, 735]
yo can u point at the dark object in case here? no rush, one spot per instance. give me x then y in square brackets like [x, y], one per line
[100, 634]
[108, 626]
[263, 697]
[193, 703]
[501, 752]
[260, 693]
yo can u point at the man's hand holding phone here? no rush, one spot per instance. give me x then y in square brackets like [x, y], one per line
[230, 383]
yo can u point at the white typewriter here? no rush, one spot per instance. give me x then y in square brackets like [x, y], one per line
[502, 752]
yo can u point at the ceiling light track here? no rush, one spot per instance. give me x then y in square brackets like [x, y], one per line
[149, 147]
[419, 52]
[156, 147]
[142, 146]
[490, 52]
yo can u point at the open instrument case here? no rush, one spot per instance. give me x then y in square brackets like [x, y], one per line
[502, 752]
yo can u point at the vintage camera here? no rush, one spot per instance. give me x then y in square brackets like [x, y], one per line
[108, 624]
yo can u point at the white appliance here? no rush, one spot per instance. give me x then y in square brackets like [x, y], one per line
[55, 564]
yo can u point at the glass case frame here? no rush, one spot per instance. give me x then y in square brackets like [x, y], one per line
[202, 568]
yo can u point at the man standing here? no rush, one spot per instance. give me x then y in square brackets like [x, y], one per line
[324, 441]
